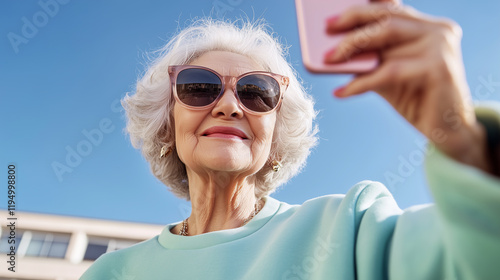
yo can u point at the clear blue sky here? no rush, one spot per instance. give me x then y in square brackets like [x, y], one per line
[65, 75]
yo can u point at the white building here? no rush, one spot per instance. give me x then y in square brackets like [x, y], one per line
[50, 247]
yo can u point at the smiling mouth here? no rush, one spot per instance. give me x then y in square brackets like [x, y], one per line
[225, 132]
[223, 135]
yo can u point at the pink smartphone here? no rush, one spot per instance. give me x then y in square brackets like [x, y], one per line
[315, 42]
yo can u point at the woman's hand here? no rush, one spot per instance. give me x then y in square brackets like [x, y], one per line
[421, 74]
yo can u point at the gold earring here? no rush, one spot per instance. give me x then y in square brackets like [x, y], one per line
[165, 151]
[276, 165]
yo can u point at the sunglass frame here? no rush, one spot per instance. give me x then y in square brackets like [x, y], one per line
[174, 70]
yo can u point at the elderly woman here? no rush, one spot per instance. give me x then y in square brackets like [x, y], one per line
[224, 121]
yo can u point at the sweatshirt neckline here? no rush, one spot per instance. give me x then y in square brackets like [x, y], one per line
[169, 240]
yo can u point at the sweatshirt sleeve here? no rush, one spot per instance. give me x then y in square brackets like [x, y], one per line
[459, 237]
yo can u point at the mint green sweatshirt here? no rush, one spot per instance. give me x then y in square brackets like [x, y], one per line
[360, 235]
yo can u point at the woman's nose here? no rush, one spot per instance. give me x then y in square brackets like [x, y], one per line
[228, 105]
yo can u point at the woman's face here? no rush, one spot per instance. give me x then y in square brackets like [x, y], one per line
[224, 138]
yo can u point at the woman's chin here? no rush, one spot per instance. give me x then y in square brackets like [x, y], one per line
[227, 156]
[227, 164]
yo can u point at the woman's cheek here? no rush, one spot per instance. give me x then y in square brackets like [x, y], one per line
[263, 140]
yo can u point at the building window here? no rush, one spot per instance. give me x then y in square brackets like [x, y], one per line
[6, 242]
[99, 245]
[36, 244]
[43, 244]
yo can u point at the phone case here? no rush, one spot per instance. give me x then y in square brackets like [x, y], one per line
[315, 42]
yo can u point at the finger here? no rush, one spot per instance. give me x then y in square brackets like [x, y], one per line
[375, 36]
[413, 50]
[363, 14]
[382, 78]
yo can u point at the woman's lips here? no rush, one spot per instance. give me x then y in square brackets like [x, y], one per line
[225, 132]
[222, 135]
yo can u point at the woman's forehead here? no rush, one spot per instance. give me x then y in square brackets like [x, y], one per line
[227, 63]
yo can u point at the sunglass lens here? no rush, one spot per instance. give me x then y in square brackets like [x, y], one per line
[197, 87]
[259, 93]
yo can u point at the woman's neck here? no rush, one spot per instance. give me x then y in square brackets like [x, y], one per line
[221, 203]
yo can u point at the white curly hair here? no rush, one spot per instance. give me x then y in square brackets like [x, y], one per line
[150, 110]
